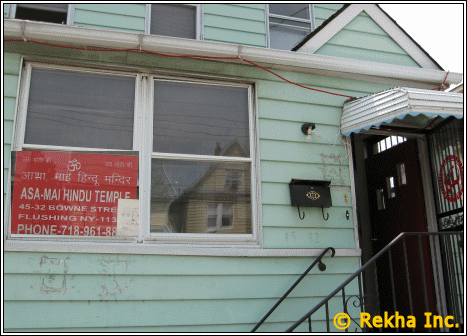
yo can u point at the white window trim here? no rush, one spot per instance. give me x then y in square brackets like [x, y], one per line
[209, 239]
[311, 21]
[69, 17]
[199, 15]
[144, 84]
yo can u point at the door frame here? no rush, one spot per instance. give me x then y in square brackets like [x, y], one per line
[361, 211]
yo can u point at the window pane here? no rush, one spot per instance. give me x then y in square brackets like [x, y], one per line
[401, 174]
[186, 197]
[295, 10]
[173, 20]
[54, 13]
[71, 108]
[285, 37]
[201, 119]
[391, 186]
[55, 7]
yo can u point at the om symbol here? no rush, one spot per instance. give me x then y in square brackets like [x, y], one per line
[74, 164]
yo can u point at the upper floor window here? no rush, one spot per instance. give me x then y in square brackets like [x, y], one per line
[288, 24]
[174, 20]
[51, 12]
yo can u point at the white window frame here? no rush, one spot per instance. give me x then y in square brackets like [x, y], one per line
[199, 15]
[19, 145]
[142, 142]
[237, 239]
[311, 21]
[69, 15]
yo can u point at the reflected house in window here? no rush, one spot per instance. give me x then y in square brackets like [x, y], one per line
[218, 201]
[162, 192]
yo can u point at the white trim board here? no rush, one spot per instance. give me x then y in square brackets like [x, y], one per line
[399, 36]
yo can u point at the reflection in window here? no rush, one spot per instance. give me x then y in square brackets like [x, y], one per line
[219, 216]
[181, 191]
[204, 128]
[233, 179]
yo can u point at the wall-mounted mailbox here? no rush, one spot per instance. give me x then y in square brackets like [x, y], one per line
[309, 193]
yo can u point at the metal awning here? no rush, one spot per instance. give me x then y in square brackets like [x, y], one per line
[413, 108]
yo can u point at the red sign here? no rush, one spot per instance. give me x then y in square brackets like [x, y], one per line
[450, 178]
[73, 194]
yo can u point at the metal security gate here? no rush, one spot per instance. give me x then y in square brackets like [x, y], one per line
[446, 147]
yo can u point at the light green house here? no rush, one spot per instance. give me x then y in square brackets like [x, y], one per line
[175, 85]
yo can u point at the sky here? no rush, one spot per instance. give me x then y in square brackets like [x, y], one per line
[437, 28]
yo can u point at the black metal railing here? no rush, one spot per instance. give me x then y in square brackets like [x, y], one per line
[321, 266]
[433, 283]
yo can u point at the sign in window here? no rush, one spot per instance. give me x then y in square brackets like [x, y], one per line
[70, 194]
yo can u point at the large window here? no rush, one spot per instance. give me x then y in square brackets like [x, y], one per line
[194, 140]
[288, 24]
[174, 20]
[52, 12]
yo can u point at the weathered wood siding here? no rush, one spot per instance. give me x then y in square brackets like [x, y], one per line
[126, 17]
[235, 23]
[121, 292]
[363, 39]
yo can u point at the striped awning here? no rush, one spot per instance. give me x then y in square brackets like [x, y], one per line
[399, 103]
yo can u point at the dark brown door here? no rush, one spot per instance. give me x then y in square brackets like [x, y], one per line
[396, 205]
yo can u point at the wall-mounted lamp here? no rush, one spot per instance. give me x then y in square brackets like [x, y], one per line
[307, 129]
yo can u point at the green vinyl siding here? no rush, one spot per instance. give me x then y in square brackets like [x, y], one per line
[363, 39]
[232, 23]
[161, 293]
[11, 71]
[120, 292]
[124, 17]
[322, 12]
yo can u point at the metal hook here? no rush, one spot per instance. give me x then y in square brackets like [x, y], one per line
[299, 216]
[327, 217]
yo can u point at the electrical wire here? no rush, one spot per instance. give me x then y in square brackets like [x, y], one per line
[179, 56]
[442, 86]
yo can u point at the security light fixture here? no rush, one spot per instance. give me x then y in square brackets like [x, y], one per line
[307, 129]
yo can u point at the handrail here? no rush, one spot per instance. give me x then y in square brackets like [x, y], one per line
[361, 269]
[321, 265]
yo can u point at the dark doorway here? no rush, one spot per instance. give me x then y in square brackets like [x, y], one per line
[396, 205]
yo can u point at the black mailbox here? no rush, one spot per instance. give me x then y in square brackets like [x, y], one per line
[308, 193]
